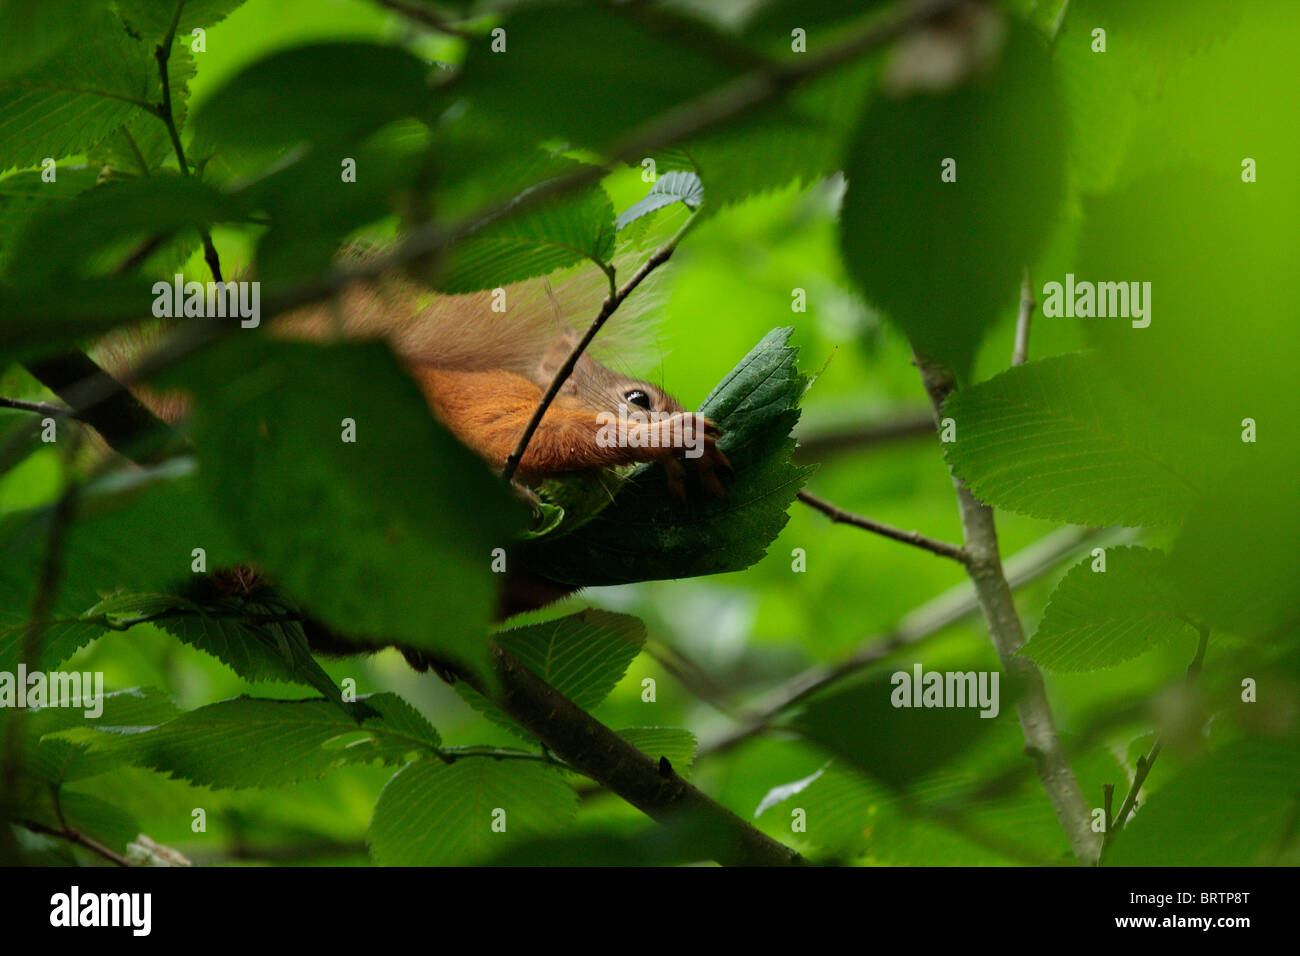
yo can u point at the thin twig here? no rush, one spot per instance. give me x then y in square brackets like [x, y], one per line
[39, 408]
[77, 837]
[162, 53]
[1145, 762]
[915, 538]
[1020, 353]
[611, 303]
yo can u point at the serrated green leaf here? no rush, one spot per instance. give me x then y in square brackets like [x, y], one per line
[534, 243]
[239, 631]
[432, 814]
[658, 742]
[77, 97]
[153, 18]
[251, 742]
[325, 93]
[671, 187]
[164, 518]
[1059, 439]
[583, 656]
[1102, 618]
[647, 534]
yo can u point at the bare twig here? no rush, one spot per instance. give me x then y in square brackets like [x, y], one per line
[1145, 761]
[984, 565]
[915, 538]
[1020, 353]
[77, 837]
[40, 408]
[162, 53]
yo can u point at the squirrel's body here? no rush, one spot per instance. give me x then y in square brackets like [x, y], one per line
[484, 361]
[484, 370]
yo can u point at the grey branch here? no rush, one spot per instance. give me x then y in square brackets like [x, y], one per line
[984, 565]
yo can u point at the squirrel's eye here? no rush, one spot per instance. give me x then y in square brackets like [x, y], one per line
[638, 397]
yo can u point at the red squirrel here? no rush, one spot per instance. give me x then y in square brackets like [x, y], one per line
[483, 371]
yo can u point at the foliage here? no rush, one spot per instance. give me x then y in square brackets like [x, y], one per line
[805, 198]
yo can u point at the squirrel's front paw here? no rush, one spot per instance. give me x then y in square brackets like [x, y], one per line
[697, 438]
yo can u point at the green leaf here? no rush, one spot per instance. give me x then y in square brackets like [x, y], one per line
[538, 241]
[77, 97]
[1059, 439]
[669, 188]
[626, 73]
[325, 93]
[583, 656]
[657, 742]
[32, 32]
[230, 630]
[944, 259]
[62, 739]
[162, 516]
[100, 228]
[1232, 809]
[839, 806]
[251, 742]
[153, 18]
[883, 726]
[647, 534]
[388, 537]
[25, 195]
[1102, 618]
[433, 814]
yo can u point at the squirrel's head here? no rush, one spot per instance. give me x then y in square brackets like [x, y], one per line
[593, 385]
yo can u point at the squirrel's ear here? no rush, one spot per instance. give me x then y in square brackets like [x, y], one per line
[554, 357]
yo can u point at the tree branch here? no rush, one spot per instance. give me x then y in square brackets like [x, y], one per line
[984, 565]
[915, 538]
[653, 787]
